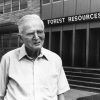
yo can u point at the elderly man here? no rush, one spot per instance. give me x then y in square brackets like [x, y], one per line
[32, 72]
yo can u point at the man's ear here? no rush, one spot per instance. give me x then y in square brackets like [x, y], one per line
[20, 38]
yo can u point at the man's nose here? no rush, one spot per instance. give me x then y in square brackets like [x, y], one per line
[36, 35]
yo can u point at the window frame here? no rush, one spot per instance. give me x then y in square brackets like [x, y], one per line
[56, 1]
[2, 9]
[46, 3]
[7, 8]
[10, 2]
[22, 4]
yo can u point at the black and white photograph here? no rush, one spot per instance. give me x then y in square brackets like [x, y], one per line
[49, 49]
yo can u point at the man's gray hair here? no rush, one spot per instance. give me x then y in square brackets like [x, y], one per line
[26, 19]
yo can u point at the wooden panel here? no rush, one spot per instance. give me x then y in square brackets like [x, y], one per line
[95, 5]
[46, 11]
[57, 9]
[83, 6]
[69, 7]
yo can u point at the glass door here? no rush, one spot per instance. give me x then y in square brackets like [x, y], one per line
[55, 42]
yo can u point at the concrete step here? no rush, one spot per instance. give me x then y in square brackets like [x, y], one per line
[76, 94]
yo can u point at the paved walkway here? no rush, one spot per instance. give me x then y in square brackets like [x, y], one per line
[74, 94]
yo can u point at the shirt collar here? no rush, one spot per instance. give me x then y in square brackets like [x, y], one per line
[23, 53]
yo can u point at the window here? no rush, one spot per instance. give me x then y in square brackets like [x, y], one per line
[56, 0]
[55, 42]
[46, 42]
[67, 48]
[0, 41]
[15, 6]
[7, 8]
[23, 4]
[1, 1]
[94, 48]
[15, 0]
[13, 41]
[6, 39]
[1, 9]
[7, 1]
[80, 48]
[45, 1]
[12, 5]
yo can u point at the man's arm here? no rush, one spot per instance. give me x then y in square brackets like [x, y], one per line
[3, 76]
[61, 96]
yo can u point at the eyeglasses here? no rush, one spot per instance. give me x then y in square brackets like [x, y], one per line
[34, 34]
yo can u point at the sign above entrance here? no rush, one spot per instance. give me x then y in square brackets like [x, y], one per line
[73, 19]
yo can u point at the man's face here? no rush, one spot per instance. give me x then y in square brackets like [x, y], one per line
[33, 35]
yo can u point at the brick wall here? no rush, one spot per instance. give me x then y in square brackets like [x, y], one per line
[33, 7]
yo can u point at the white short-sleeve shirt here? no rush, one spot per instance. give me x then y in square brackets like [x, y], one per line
[22, 78]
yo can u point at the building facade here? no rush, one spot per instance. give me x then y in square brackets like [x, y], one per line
[73, 32]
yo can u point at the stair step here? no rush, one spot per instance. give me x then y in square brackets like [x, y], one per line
[84, 83]
[82, 74]
[83, 78]
[80, 78]
[85, 70]
[92, 89]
